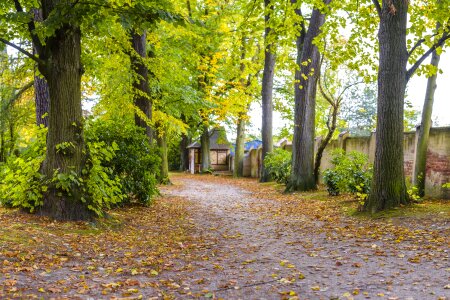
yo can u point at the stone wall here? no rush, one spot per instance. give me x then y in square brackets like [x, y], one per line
[438, 157]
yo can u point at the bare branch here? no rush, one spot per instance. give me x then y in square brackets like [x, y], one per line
[17, 95]
[377, 6]
[417, 64]
[33, 57]
[419, 42]
[327, 97]
[31, 28]
[339, 99]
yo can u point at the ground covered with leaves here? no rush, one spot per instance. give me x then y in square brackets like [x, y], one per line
[218, 237]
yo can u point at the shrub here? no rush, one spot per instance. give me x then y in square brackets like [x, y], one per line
[21, 184]
[278, 164]
[351, 173]
[136, 162]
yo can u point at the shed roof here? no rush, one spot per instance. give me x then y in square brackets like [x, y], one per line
[217, 140]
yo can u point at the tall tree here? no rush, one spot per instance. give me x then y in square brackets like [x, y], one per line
[142, 97]
[388, 188]
[308, 60]
[267, 88]
[59, 61]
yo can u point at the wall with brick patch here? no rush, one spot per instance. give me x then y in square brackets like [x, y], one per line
[438, 156]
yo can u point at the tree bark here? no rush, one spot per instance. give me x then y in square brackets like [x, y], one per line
[42, 101]
[41, 93]
[308, 60]
[63, 71]
[388, 186]
[2, 146]
[142, 97]
[267, 91]
[204, 140]
[424, 131]
[162, 144]
[184, 152]
[238, 170]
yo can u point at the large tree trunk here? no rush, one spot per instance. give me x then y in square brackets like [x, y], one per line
[238, 170]
[162, 144]
[308, 59]
[388, 186]
[266, 93]
[424, 131]
[204, 140]
[65, 142]
[184, 152]
[142, 97]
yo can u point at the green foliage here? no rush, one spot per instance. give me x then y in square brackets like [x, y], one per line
[102, 184]
[136, 163]
[173, 154]
[446, 185]
[21, 184]
[278, 164]
[351, 173]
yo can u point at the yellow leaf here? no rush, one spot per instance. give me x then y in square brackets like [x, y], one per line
[41, 290]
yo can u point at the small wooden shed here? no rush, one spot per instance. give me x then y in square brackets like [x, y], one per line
[219, 148]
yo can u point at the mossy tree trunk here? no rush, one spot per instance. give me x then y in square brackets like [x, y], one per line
[238, 170]
[424, 131]
[267, 90]
[388, 186]
[162, 144]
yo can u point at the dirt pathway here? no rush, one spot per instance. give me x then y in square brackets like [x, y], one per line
[250, 253]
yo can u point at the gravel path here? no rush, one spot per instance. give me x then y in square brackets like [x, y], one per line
[252, 255]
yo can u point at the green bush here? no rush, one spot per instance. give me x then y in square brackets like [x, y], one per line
[351, 173]
[136, 162]
[21, 184]
[278, 164]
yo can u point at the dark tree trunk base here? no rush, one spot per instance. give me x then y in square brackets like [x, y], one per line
[64, 208]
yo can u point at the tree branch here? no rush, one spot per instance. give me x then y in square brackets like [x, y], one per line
[17, 95]
[31, 28]
[419, 42]
[417, 64]
[33, 57]
[377, 6]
